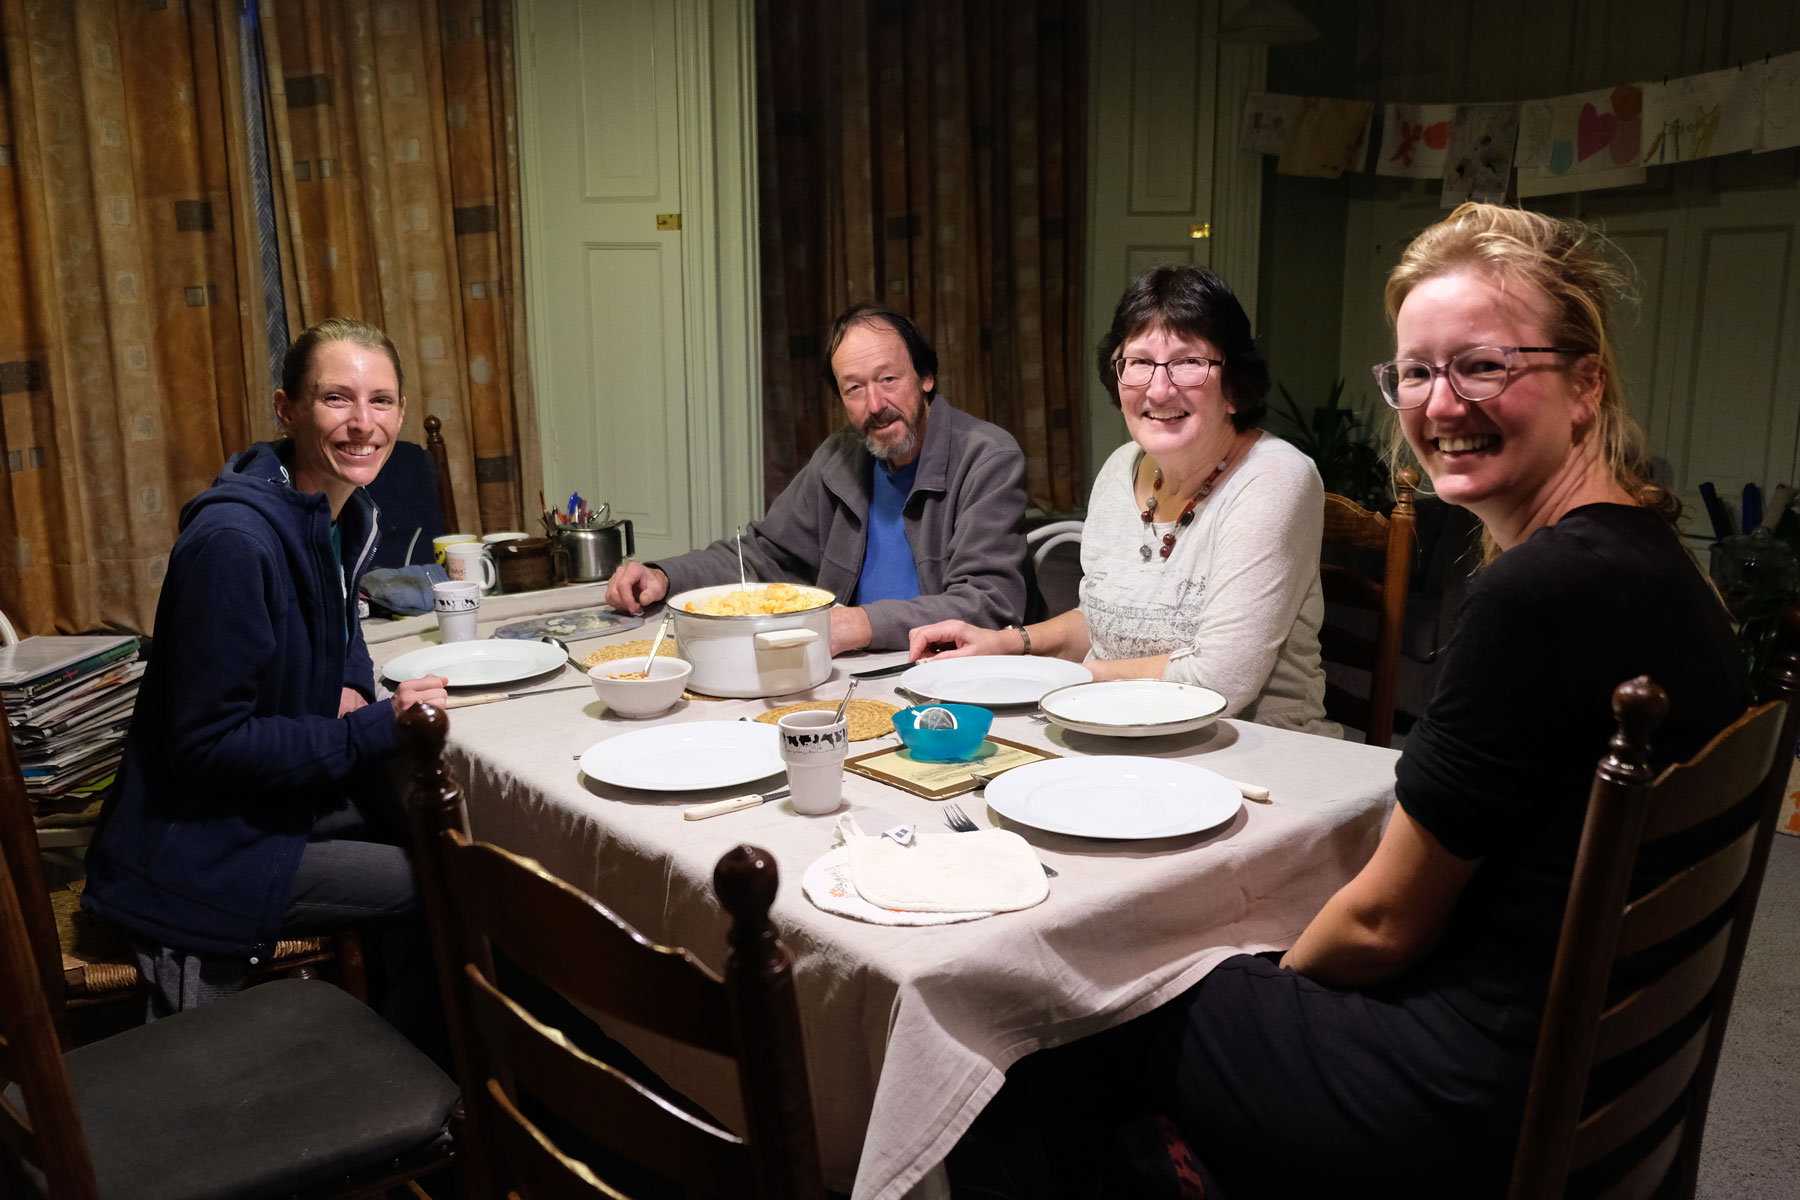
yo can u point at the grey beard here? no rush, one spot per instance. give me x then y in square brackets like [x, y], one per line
[899, 449]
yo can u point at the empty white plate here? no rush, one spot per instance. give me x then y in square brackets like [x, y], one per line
[992, 680]
[481, 663]
[1132, 707]
[689, 757]
[1114, 797]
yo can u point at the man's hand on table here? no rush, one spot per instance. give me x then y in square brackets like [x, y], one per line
[849, 630]
[634, 585]
[428, 689]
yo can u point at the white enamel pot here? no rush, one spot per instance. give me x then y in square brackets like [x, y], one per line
[753, 656]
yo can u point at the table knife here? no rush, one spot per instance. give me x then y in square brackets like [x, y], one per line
[719, 808]
[883, 672]
[496, 697]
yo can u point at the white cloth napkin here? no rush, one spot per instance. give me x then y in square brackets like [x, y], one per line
[827, 884]
[989, 870]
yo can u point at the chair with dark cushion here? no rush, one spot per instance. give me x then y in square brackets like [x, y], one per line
[487, 904]
[1658, 1024]
[292, 1088]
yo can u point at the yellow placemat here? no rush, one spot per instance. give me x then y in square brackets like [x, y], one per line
[942, 780]
[635, 649]
[867, 718]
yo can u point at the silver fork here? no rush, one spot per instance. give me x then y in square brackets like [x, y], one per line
[958, 820]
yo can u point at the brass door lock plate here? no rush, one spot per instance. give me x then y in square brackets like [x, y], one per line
[1200, 231]
[668, 221]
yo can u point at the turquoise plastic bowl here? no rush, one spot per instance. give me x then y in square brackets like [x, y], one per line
[944, 745]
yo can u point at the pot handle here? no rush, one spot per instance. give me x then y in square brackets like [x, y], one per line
[786, 639]
[630, 538]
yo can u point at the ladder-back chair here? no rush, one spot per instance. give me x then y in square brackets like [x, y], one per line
[293, 1089]
[1739, 778]
[1348, 523]
[485, 902]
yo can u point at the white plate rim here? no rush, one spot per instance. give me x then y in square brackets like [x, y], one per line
[1133, 728]
[593, 767]
[473, 651]
[996, 664]
[1000, 794]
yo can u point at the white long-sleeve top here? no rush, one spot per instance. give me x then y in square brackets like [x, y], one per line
[1237, 604]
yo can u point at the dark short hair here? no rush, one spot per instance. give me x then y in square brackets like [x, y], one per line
[334, 329]
[867, 312]
[1196, 303]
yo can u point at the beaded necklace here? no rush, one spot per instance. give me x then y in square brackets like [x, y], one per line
[1187, 513]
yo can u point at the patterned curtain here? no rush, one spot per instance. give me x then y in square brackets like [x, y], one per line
[397, 177]
[124, 375]
[929, 154]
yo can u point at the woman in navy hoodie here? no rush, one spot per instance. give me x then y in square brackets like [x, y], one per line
[249, 805]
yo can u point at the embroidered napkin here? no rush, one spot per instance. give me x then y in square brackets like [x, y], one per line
[827, 884]
[990, 870]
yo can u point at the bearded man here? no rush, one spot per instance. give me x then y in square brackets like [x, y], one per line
[911, 514]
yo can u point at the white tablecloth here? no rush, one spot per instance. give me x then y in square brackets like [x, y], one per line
[909, 1030]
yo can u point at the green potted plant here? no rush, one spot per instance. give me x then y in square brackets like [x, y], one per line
[1343, 445]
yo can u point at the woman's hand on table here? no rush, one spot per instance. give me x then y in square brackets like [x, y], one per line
[634, 585]
[959, 639]
[428, 689]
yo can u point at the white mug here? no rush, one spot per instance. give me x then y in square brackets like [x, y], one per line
[458, 604]
[813, 745]
[471, 560]
[440, 544]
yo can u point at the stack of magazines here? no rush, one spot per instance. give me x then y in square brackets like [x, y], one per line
[69, 701]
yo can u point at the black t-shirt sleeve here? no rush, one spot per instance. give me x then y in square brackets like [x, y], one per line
[1473, 774]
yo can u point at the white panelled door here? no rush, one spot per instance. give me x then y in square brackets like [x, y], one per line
[1167, 183]
[601, 149]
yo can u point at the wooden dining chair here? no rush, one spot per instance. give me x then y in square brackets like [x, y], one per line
[440, 461]
[484, 902]
[1739, 778]
[91, 962]
[290, 1089]
[1348, 523]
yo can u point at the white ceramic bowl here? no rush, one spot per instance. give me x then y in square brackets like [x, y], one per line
[638, 698]
[1132, 707]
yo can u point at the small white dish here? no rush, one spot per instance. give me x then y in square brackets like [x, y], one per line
[1132, 707]
[687, 757]
[639, 698]
[1114, 797]
[992, 680]
[481, 663]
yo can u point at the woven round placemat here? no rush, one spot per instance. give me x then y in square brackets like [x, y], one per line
[867, 718]
[634, 649]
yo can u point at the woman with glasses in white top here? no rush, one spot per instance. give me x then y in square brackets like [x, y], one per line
[1387, 1052]
[1200, 553]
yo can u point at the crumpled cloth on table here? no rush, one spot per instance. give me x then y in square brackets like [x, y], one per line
[988, 870]
[402, 590]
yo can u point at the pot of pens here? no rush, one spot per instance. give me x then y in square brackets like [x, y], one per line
[596, 544]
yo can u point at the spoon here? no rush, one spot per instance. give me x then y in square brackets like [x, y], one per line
[743, 582]
[650, 663]
[844, 703]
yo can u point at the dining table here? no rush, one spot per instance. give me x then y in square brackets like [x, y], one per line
[909, 1030]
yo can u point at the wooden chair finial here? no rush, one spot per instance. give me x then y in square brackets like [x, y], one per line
[1639, 705]
[746, 880]
[424, 729]
[1406, 483]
